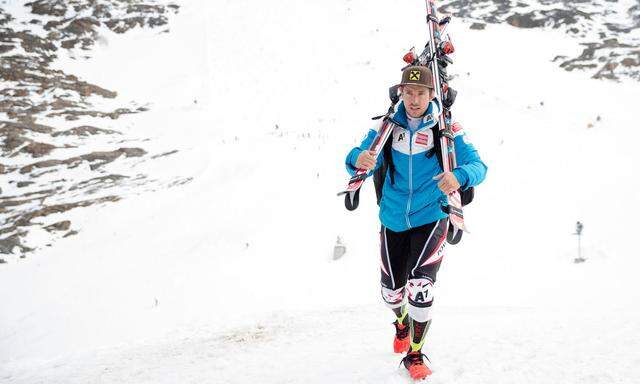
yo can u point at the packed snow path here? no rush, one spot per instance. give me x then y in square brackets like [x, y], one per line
[468, 345]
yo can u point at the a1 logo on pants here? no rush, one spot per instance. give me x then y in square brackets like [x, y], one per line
[420, 291]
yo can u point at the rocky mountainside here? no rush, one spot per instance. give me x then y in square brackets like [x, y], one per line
[56, 153]
[608, 31]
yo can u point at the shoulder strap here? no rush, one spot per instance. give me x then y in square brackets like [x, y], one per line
[380, 174]
[436, 145]
[388, 158]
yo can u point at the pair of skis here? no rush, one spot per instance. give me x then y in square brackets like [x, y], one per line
[436, 57]
[352, 193]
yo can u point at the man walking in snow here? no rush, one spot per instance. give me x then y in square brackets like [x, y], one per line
[414, 226]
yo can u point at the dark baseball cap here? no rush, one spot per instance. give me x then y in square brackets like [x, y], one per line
[417, 75]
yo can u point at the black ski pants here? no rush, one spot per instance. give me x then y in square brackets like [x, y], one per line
[409, 263]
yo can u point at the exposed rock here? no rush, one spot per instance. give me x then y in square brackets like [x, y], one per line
[146, 8]
[15, 135]
[86, 130]
[76, 114]
[48, 7]
[98, 181]
[527, 20]
[38, 149]
[34, 44]
[101, 158]
[86, 89]
[4, 17]
[181, 182]
[108, 157]
[25, 218]
[607, 71]
[59, 226]
[70, 43]
[590, 53]
[43, 164]
[478, 26]
[21, 128]
[11, 142]
[630, 62]
[82, 26]
[8, 244]
[60, 103]
[164, 154]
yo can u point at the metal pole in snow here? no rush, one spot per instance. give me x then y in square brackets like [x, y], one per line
[579, 227]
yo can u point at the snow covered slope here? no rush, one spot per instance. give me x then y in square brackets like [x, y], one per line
[608, 31]
[229, 278]
[66, 143]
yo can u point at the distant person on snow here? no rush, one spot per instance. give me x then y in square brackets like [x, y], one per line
[414, 227]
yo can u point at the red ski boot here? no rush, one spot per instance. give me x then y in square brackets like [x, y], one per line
[416, 366]
[401, 341]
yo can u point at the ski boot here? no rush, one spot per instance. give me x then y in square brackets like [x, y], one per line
[401, 342]
[418, 370]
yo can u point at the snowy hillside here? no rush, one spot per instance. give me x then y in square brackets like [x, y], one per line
[218, 269]
[608, 31]
[67, 143]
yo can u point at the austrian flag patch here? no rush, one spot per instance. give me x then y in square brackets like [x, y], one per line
[422, 139]
[457, 129]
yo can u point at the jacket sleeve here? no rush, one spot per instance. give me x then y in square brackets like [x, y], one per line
[471, 170]
[352, 156]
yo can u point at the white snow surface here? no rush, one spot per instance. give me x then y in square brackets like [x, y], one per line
[229, 279]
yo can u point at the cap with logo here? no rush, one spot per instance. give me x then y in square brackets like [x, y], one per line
[417, 75]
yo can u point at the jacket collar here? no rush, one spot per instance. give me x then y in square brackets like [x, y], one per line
[429, 119]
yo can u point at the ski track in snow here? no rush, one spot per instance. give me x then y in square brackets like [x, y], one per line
[229, 279]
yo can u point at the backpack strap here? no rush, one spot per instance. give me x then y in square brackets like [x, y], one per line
[436, 150]
[388, 158]
[387, 165]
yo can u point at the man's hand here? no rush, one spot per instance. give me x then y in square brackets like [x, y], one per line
[448, 182]
[366, 160]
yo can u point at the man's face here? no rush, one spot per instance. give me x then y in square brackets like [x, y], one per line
[416, 99]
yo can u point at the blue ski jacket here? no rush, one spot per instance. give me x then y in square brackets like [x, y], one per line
[414, 198]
